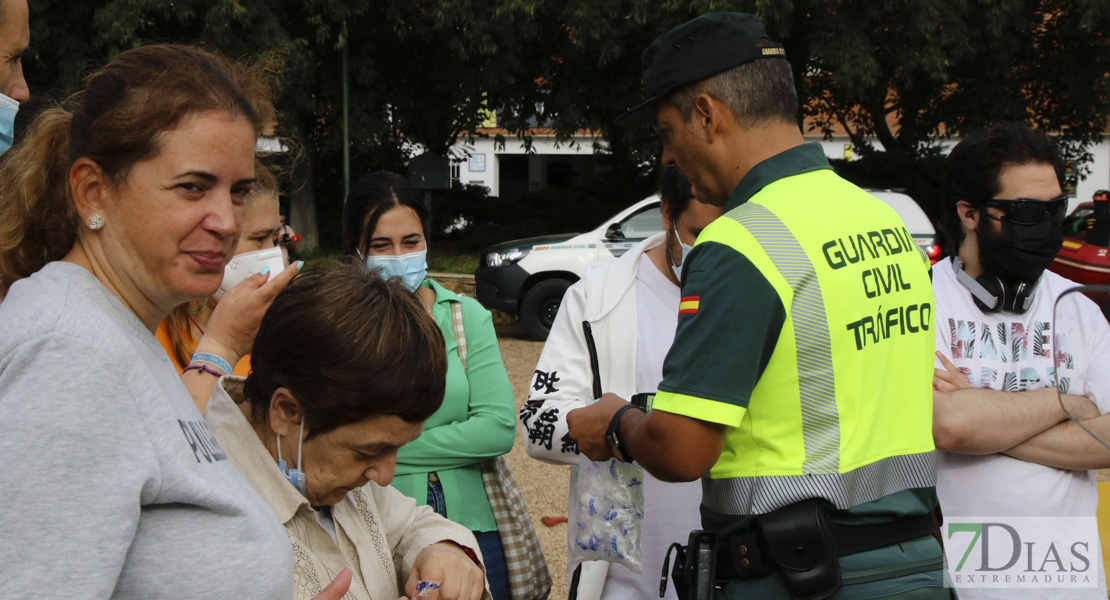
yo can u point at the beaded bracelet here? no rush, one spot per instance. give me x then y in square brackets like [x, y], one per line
[212, 359]
[203, 368]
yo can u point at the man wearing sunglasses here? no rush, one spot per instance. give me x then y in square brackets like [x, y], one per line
[1014, 469]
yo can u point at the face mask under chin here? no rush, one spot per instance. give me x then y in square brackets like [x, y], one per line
[1018, 252]
[682, 258]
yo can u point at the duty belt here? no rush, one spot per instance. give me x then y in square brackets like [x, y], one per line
[752, 554]
[799, 542]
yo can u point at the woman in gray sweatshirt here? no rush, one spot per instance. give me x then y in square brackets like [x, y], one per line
[116, 207]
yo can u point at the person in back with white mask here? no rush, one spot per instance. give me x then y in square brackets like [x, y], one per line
[15, 34]
[205, 343]
[631, 307]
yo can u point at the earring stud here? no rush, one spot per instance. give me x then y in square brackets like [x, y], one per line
[95, 222]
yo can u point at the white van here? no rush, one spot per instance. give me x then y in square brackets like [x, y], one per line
[528, 277]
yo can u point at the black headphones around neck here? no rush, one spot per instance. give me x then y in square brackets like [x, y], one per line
[993, 294]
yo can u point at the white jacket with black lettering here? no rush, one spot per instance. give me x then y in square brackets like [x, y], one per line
[563, 381]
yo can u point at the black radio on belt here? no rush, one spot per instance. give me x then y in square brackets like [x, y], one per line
[695, 566]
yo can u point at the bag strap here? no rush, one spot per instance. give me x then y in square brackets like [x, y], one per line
[457, 327]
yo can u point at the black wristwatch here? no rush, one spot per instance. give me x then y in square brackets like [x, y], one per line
[613, 438]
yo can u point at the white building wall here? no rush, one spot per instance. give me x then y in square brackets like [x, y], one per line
[837, 147]
[480, 164]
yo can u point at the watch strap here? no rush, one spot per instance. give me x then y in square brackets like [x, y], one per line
[613, 434]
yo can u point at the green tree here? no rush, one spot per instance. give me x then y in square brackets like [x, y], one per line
[905, 73]
[911, 73]
[418, 72]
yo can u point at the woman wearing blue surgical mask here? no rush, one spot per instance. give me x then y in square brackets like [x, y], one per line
[383, 225]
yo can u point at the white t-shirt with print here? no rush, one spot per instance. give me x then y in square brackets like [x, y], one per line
[1014, 353]
[670, 509]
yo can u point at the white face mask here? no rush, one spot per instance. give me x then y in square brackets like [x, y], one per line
[247, 264]
[685, 252]
[8, 108]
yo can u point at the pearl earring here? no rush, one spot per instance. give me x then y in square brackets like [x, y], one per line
[95, 222]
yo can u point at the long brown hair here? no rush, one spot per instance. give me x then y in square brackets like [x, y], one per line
[115, 120]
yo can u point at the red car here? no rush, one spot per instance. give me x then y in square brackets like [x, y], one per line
[1079, 261]
[1083, 263]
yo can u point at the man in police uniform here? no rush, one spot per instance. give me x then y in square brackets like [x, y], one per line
[798, 385]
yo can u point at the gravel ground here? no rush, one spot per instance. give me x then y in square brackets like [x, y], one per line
[543, 486]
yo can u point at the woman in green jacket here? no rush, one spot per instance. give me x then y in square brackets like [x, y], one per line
[383, 223]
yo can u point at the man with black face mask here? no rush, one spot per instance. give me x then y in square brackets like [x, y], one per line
[1014, 478]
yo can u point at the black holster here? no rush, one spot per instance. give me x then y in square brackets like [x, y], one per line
[798, 539]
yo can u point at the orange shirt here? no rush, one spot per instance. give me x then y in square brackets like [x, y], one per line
[242, 368]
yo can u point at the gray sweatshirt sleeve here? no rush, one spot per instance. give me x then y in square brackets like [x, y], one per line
[75, 466]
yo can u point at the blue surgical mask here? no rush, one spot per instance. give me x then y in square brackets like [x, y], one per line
[411, 267]
[685, 252]
[8, 108]
[295, 476]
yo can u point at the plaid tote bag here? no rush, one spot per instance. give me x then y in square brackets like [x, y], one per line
[529, 577]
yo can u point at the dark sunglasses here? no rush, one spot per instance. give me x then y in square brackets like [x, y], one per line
[1030, 212]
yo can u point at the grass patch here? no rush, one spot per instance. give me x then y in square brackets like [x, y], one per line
[450, 262]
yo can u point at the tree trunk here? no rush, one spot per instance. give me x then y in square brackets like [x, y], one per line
[886, 137]
[797, 51]
[302, 206]
[624, 171]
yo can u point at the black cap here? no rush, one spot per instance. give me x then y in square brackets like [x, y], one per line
[698, 48]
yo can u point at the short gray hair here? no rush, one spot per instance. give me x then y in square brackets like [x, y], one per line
[759, 92]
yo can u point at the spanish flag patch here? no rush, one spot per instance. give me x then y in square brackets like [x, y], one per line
[689, 305]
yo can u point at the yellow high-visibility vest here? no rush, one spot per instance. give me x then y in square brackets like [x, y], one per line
[843, 410]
